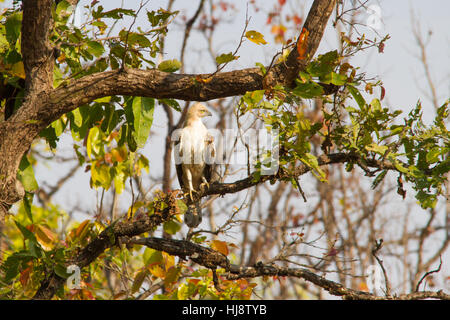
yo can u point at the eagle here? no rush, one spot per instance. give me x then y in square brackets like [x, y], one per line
[194, 159]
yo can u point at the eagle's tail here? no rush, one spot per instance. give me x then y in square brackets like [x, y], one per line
[193, 215]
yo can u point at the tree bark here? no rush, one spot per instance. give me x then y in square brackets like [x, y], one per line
[18, 132]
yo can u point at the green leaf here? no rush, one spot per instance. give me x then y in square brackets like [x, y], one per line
[261, 67]
[27, 202]
[171, 227]
[59, 126]
[143, 118]
[159, 17]
[171, 103]
[63, 9]
[25, 175]
[169, 65]
[27, 234]
[13, 26]
[61, 271]
[334, 78]
[307, 90]
[357, 96]
[136, 38]
[376, 104]
[311, 161]
[181, 206]
[49, 134]
[172, 275]
[11, 266]
[426, 200]
[252, 98]
[116, 13]
[225, 58]
[376, 148]
[378, 179]
[77, 117]
[95, 48]
[433, 155]
[119, 181]
[101, 175]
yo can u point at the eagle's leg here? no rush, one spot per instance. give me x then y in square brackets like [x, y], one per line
[205, 182]
[191, 188]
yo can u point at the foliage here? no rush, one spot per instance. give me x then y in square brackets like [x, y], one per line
[109, 132]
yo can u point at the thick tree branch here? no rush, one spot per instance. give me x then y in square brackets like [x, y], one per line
[314, 27]
[37, 51]
[326, 159]
[18, 132]
[110, 237]
[213, 259]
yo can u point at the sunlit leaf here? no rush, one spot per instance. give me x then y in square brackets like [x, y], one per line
[302, 44]
[95, 48]
[255, 37]
[225, 58]
[220, 246]
[169, 65]
[357, 96]
[25, 175]
[143, 108]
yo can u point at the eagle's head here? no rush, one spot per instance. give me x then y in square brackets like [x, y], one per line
[198, 110]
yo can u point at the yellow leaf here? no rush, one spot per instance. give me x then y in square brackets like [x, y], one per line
[157, 271]
[169, 261]
[18, 70]
[45, 237]
[255, 37]
[220, 246]
[363, 287]
[116, 155]
[61, 58]
[81, 228]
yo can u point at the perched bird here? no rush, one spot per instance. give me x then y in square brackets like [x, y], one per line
[194, 159]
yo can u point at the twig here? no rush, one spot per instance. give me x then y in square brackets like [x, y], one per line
[378, 245]
[187, 32]
[141, 5]
[428, 273]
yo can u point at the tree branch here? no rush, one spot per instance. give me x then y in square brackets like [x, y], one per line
[326, 159]
[37, 51]
[108, 238]
[190, 87]
[314, 25]
[213, 259]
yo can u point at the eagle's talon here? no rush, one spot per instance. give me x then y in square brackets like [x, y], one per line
[205, 183]
[190, 194]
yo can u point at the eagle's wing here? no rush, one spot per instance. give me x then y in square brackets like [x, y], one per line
[179, 168]
[210, 157]
[178, 156]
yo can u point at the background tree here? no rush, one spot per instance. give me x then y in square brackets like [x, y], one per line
[316, 218]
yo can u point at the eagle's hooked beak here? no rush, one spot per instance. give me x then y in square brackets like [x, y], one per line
[208, 113]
